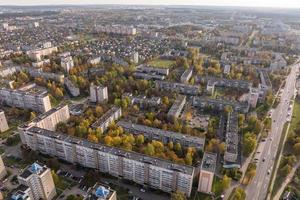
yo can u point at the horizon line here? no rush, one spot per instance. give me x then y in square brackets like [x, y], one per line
[121, 4]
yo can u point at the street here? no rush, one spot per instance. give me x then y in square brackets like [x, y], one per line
[258, 188]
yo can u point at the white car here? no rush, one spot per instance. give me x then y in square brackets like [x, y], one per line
[142, 190]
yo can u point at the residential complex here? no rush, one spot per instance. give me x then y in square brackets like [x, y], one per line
[142, 169]
[178, 87]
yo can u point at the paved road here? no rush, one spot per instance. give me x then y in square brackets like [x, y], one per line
[258, 188]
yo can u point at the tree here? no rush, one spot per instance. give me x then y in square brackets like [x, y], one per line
[55, 177]
[228, 109]
[296, 148]
[178, 195]
[165, 100]
[241, 119]
[177, 147]
[140, 139]
[149, 149]
[226, 181]
[108, 140]
[284, 171]
[249, 143]
[93, 138]
[53, 164]
[239, 194]
[32, 115]
[189, 159]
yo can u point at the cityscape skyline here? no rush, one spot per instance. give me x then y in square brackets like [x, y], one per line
[247, 3]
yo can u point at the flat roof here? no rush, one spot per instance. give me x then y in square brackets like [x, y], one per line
[115, 151]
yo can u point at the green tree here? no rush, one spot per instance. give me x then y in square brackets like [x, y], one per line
[296, 148]
[149, 149]
[226, 181]
[249, 143]
[140, 139]
[239, 194]
[178, 195]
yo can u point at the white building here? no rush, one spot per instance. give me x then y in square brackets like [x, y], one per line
[66, 62]
[207, 172]
[3, 122]
[39, 179]
[253, 97]
[98, 94]
[3, 171]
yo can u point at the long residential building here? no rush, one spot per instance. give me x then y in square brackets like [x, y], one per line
[232, 140]
[50, 119]
[220, 104]
[178, 87]
[163, 135]
[227, 83]
[34, 100]
[142, 169]
[177, 107]
[107, 118]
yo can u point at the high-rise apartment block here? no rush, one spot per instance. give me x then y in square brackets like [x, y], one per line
[36, 100]
[98, 94]
[66, 62]
[207, 172]
[3, 171]
[39, 179]
[22, 192]
[3, 122]
[140, 168]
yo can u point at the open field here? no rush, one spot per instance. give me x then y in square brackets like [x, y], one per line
[161, 63]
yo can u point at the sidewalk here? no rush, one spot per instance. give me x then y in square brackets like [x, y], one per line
[287, 180]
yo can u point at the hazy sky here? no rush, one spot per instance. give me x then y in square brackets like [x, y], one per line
[252, 3]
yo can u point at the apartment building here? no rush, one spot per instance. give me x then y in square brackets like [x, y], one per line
[22, 192]
[227, 83]
[50, 119]
[107, 118]
[94, 60]
[98, 94]
[177, 107]
[150, 73]
[162, 135]
[72, 88]
[3, 122]
[140, 168]
[178, 87]
[66, 61]
[38, 53]
[220, 104]
[207, 172]
[143, 101]
[39, 179]
[117, 29]
[101, 192]
[34, 99]
[186, 75]
[253, 97]
[3, 171]
[232, 140]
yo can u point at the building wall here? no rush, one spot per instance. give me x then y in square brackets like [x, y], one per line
[3, 122]
[205, 181]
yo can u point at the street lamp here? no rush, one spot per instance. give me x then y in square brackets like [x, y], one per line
[218, 197]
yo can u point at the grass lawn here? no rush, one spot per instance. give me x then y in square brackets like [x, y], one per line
[12, 127]
[160, 63]
[296, 116]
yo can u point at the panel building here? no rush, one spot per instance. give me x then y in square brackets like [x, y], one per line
[105, 120]
[177, 107]
[98, 94]
[163, 135]
[36, 100]
[66, 61]
[39, 179]
[178, 87]
[3, 122]
[101, 192]
[3, 171]
[207, 172]
[142, 169]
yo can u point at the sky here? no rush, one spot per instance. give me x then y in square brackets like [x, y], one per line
[247, 3]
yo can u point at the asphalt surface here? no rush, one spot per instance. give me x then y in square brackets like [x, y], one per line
[258, 188]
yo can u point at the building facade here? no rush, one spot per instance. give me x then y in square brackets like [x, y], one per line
[39, 179]
[98, 94]
[3, 122]
[142, 169]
